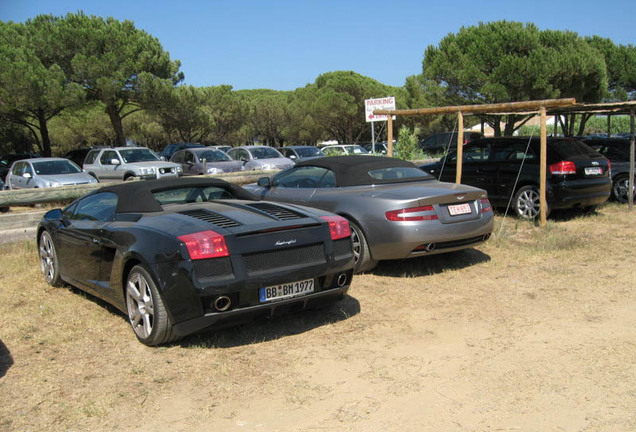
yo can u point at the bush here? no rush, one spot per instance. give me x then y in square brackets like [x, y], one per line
[407, 147]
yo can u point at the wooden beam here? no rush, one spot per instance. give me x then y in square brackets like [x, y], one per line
[630, 183]
[543, 170]
[389, 138]
[482, 109]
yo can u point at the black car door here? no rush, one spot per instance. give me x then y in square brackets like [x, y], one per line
[509, 157]
[80, 241]
[475, 165]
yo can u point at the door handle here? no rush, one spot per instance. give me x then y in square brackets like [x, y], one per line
[96, 241]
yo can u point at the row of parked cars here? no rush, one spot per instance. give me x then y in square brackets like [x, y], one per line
[180, 255]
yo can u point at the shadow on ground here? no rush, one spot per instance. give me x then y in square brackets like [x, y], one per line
[429, 265]
[267, 329]
[6, 361]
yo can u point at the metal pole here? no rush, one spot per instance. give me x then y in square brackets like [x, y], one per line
[460, 146]
[609, 125]
[543, 170]
[389, 138]
[373, 137]
[630, 183]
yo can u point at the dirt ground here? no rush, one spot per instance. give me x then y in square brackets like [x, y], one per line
[533, 331]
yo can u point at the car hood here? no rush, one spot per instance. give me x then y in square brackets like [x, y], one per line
[278, 162]
[67, 179]
[227, 166]
[153, 164]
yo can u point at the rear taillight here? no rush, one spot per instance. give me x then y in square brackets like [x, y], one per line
[338, 227]
[563, 167]
[205, 244]
[424, 213]
[485, 205]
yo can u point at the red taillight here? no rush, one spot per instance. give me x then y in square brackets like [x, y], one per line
[412, 214]
[338, 227]
[485, 205]
[205, 244]
[563, 167]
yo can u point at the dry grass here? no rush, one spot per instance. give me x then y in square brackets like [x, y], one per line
[531, 331]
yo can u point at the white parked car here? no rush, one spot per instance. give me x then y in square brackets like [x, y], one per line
[127, 163]
[46, 172]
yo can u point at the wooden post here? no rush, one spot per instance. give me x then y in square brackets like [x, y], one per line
[543, 170]
[389, 138]
[630, 183]
[460, 147]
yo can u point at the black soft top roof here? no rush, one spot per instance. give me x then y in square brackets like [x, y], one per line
[137, 197]
[354, 170]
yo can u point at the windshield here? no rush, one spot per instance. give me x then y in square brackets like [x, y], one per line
[309, 152]
[400, 174]
[138, 155]
[264, 153]
[55, 167]
[191, 194]
[213, 156]
[355, 149]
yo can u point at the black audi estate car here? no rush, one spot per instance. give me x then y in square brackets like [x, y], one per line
[617, 151]
[508, 168]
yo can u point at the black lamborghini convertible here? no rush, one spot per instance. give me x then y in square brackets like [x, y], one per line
[181, 255]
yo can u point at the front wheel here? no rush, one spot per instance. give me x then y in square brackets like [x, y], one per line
[361, 254]
[527, 203]
[49, 264]
[146, 311]
[620, 189]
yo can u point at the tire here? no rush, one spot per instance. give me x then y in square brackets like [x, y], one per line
[130, 178]
[620, 188]
[49, 263]
[146, 311]
[526, 203]
[361, 253]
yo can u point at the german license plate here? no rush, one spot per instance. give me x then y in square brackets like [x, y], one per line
[288, 290]
[459, 209]
[593, 170]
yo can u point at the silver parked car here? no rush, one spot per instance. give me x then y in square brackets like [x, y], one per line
[206, 160]
[46, 172]
[395, 209]
[260, 158]
[300, 153]
[127, 163]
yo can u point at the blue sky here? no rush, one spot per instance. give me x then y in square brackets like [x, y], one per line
[285, 44]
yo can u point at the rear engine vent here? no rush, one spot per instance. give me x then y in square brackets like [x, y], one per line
[211, 217]
[277, 212]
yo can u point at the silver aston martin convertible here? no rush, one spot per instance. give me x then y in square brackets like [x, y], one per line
[395, 209]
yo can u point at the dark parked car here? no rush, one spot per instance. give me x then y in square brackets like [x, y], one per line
[77, 155]
[171, 149]
[577, 175]
[396, 210]
[182, 255]
[617, 151]
[300, 153]
[441, 141]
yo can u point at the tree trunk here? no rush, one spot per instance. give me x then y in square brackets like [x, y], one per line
[44, 133]
[115, 120]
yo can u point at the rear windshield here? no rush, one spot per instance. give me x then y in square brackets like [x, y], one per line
[191, 194]
[400, 174]
[572, 148]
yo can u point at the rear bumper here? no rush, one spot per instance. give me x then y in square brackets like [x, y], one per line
[579, 193]
[398, 240]
[232, 317]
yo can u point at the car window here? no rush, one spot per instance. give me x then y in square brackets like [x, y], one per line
[108, 156]
[90, 157]
[177, 157]
[477, 152]
[264, 153]
[333, 151]
[18, 168]
[98, 207]
[213, 156]
[305, 177]
[511, 151]
[308, 152]
[615, 154]
[188, 157]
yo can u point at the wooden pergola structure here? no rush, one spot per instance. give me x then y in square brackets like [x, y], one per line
[543, 108]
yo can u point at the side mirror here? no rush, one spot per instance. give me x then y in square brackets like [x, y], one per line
[292, 156]
[56, 215]
[264, 182]
[27, 175]
[115, 162]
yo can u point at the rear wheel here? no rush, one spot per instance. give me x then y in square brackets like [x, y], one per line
[146, 311]
[361, 254]
[527, 204]
[620, 189]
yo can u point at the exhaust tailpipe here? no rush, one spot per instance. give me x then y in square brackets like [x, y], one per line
[342, 280]
[222, 303]
[486, 237]
[430, 247]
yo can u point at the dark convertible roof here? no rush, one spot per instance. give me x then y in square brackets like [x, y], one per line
[136, 197]
[354, 170]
